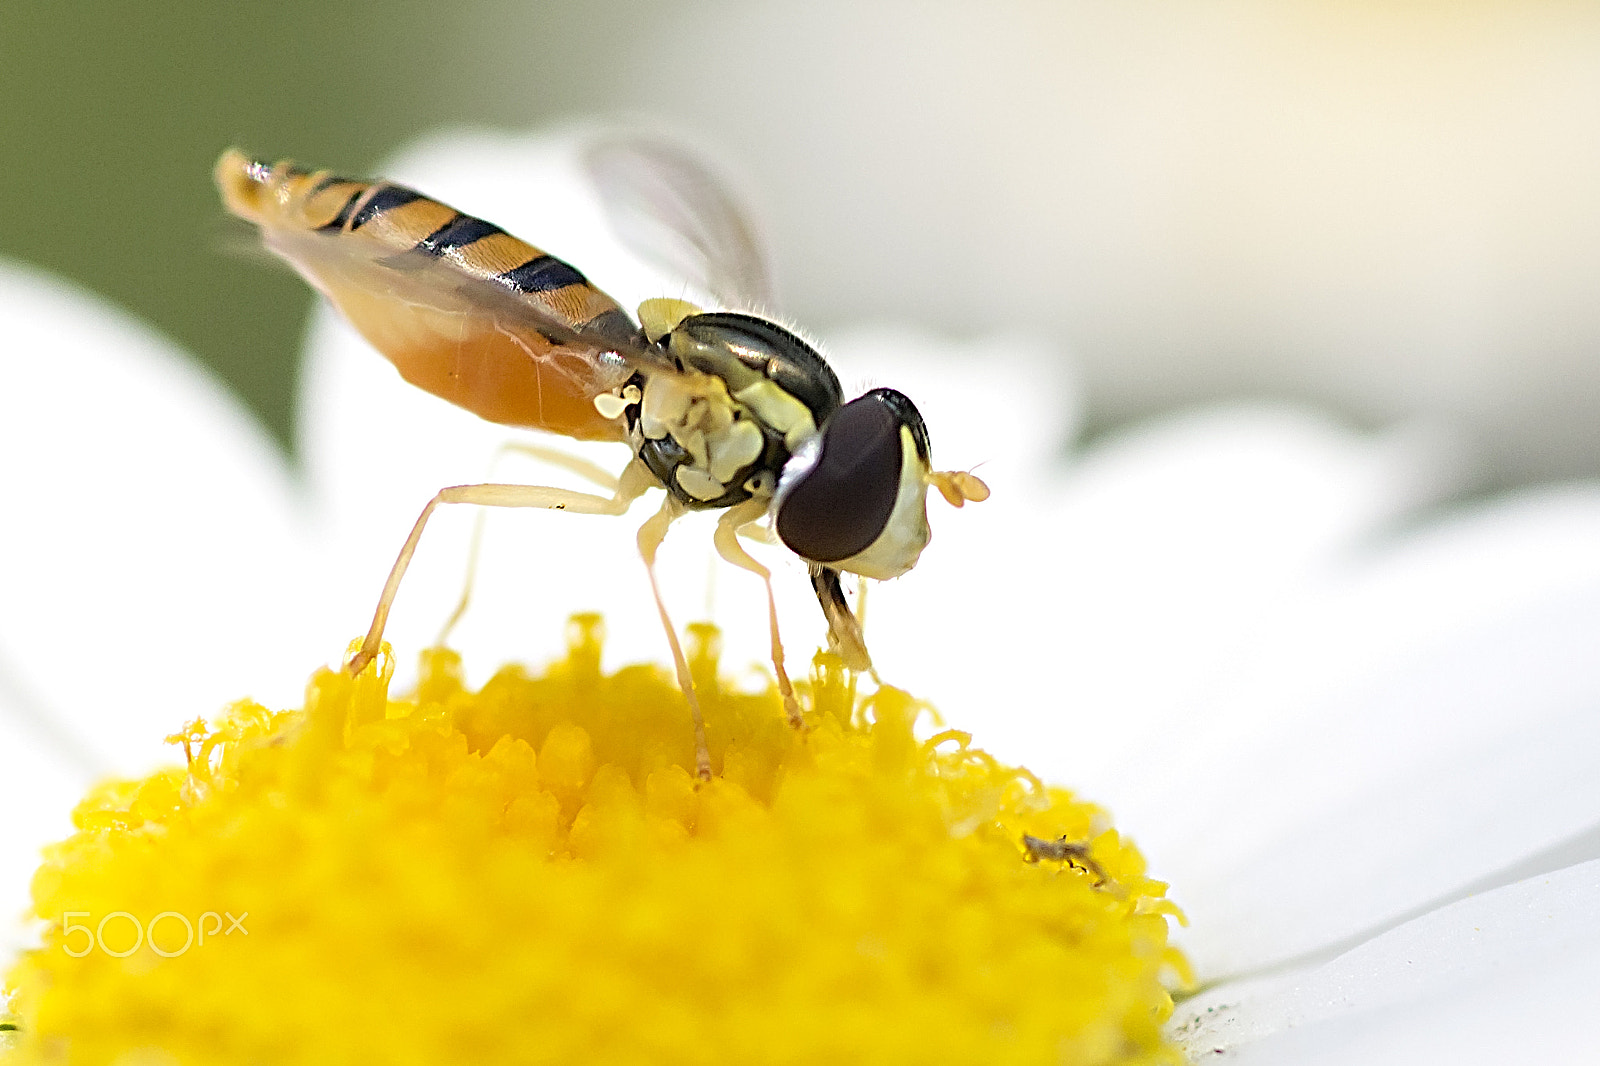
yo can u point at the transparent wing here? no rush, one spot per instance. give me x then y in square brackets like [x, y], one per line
[667, 207]
[508, 356]
[565, 317]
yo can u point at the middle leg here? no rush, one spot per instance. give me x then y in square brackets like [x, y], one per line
[651, 534]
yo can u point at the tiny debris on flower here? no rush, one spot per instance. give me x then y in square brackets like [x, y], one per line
[1073, 853]
[531, 872]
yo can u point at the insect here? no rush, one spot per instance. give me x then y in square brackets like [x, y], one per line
[722, 410]
[1060, 849]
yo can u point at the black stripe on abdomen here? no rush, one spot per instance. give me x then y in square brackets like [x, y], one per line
[457, 233]
[542, 273]
[326, 182]
[387, 198]
[337, 221]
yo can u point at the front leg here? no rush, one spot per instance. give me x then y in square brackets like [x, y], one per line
[845, 638]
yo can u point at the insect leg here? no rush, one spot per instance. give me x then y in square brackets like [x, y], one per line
[757, 532]
[635, 479]
[651, 534]
[728, 546]
[592, 472]
[845, 638]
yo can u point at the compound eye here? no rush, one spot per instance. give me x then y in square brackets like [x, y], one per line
[839, 505]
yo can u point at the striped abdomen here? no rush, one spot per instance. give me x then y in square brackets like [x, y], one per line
[462, 308]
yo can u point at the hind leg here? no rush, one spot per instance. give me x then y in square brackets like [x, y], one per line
[591, 472]
[634, 481]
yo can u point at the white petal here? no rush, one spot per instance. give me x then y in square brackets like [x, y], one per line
[150, 552]
[1507, 976]
[1426, 722]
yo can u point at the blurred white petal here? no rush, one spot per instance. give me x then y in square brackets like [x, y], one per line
[151, 550]
[1133, 578]
[1424, 721]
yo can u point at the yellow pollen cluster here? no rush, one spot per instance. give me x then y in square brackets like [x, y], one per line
[529, 874]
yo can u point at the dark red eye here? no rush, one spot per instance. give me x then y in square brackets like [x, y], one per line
[839, 505]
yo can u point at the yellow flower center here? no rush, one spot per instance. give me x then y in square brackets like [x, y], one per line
[530, 873]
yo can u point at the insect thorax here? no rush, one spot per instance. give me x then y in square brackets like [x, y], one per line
[749, 394]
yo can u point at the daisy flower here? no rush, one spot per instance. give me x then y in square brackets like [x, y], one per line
[1352, 727]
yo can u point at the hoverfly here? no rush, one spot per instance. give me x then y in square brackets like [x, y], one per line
[722, 410]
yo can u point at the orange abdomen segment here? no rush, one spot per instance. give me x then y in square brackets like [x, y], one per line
[512, 377]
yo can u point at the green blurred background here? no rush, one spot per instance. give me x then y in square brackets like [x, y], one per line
[1391, 211]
